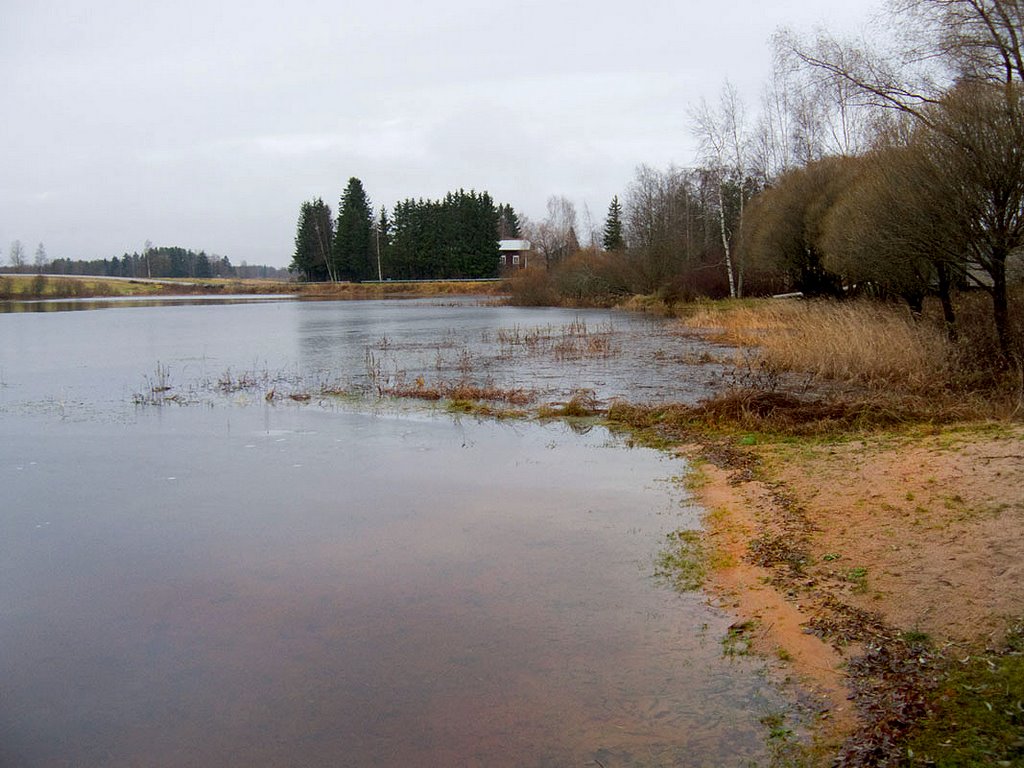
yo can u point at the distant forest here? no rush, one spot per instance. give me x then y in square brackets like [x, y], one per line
[456, 237]
[156, 262]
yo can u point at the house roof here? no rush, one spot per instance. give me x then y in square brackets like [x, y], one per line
[513, 245]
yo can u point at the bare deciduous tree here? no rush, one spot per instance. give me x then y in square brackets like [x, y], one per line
[40, 261]
[555, 236]
[725, 147]
[16, 254]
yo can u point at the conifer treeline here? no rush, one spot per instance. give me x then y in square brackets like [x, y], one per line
[154, 262]
[456, 237]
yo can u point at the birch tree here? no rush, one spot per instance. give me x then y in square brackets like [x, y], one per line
[555, 236]
[724, 144]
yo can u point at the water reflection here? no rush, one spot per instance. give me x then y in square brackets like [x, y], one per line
[266, 587]
[301, 585]
[106, 357]
[112, 302]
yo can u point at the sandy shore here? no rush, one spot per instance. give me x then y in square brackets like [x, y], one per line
[828, 550]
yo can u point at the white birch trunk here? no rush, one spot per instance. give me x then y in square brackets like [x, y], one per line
[725, 241]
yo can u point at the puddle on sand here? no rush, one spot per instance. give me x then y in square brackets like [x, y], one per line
[371, 591]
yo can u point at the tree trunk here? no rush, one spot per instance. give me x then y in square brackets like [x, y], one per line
[739, 267]
[725, 241]
[1000, 305]
[947, 301]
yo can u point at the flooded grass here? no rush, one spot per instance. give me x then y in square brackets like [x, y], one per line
[573, 341]
[459, 371]
[682, 561]
[158, 389]
[582, 404]
[460, 392]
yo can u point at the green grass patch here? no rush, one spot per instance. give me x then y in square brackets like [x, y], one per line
[695, 479]
[737, 639]
[33, 287]
[483, 409]
[681, 563]
[859, 578]
[977, 714]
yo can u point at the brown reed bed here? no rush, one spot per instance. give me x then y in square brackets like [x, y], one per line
[460, 391]
[881, 361]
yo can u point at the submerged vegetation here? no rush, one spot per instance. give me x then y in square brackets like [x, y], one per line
[682, 562]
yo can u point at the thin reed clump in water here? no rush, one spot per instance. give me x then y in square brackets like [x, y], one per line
[574, 341]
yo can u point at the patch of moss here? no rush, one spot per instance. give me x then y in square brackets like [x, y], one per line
[976, 715]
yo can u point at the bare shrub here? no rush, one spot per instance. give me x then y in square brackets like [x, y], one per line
[532, 287]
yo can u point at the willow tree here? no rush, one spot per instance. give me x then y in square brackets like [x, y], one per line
[784, 227]
[958, 76]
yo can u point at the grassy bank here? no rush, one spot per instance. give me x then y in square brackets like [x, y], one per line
[398, 289]
[34, 287]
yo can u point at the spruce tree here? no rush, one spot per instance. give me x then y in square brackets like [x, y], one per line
[354, 255]
[508, 223]
[612, 239]
[313, 238]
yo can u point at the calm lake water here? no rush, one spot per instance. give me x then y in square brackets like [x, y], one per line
[234, 582]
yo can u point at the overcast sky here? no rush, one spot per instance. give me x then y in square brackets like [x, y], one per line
[206, 124]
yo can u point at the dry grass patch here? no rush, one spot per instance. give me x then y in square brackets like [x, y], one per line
[582, 404]
[879, 346]
[779, 414]
[461, 391]
[399, 289]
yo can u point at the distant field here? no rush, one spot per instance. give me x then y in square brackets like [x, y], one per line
[29, 287]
